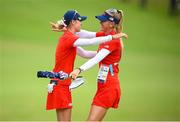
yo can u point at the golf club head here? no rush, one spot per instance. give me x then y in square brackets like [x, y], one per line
[76, 83]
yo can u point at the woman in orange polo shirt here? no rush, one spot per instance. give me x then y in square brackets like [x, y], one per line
[108, 56]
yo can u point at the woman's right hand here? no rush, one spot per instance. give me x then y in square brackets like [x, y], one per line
[75, 73]
[119, 35]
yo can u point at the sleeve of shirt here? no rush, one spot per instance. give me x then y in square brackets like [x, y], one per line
[92, 41]
[85, 53]
[86, 34]
[96, 59]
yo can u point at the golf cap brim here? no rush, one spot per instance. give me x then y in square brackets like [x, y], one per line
[106, 17]
[102, 18]
[81, 18]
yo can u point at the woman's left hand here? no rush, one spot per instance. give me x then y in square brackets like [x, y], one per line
[124, 35]
[75, 73]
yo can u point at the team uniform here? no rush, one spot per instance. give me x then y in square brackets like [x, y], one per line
[65, 57]
[109, 92]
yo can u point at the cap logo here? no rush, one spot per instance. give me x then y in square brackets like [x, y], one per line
[111, 18]
[79, 18]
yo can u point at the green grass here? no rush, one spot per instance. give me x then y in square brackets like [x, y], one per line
[149, 67]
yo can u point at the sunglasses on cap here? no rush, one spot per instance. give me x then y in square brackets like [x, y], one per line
[112, 11]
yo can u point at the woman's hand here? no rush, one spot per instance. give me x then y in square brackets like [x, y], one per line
[58, 27]
[75, 73]
[119, 35]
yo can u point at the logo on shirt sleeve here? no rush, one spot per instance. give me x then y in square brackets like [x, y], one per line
[70, 104]
[106, 46]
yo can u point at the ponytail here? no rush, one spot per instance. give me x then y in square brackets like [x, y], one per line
[61, 24]
[119, 15]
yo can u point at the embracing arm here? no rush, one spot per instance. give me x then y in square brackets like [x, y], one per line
[90, 63]
[92, 41]
[85, 53]
[99, 57]
[97, 40]
[86, 34]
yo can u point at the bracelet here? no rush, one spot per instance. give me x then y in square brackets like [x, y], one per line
[80, 70]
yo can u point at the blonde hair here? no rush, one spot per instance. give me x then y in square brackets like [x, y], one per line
[117, 14]
[119, 26]
[61, 24]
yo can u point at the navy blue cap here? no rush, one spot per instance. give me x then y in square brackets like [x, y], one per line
[73, 15]
[106, 17]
